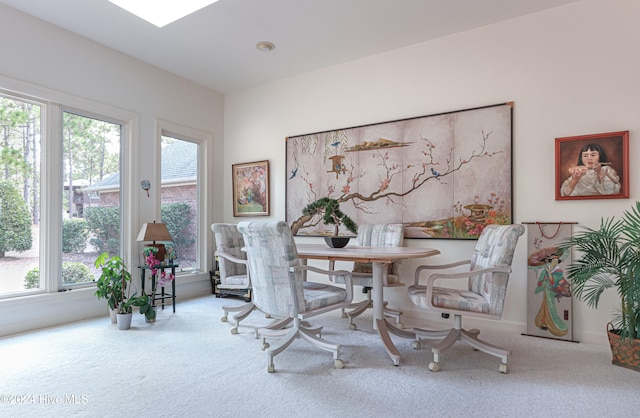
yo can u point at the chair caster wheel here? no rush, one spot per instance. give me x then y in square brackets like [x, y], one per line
[352, 327]
[338, 364]
[265, 346]
[234, 331]
[434, 367]
[416, 345]
[271, 368]
[400, 325]
[343, 315]
[224, 319]
[504, 368]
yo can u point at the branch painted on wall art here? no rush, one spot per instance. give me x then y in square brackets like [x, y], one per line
[376, 176]
[420, 175]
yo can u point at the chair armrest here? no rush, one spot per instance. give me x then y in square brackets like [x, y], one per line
[419, 269]
[460, 275]
[346, 274]
[231, 258]
[236, 260]
[463, 274]
[385, 272]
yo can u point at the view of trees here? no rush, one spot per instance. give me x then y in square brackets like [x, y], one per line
[15, 220]
[20, 149]
[90, 159]
[90, 152]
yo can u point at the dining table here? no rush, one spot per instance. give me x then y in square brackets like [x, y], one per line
[379, 257]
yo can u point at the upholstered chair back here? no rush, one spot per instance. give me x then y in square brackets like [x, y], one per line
[271, 252]
[495, 247]
[229, 240]
[379, 235]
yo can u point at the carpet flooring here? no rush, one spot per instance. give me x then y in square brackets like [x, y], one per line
[188, 364]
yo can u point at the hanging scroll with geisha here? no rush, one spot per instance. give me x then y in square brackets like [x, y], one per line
[549, 301]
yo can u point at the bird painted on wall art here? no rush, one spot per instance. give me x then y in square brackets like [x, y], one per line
[335, 144]
[434, 172]
[293, 173]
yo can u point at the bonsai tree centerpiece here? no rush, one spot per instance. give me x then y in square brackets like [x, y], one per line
[329, 211]
[610, 258]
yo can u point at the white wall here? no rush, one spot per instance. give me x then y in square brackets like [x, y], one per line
[50, 60]
[570, 71]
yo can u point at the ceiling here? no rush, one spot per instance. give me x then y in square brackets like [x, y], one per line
[215, 46]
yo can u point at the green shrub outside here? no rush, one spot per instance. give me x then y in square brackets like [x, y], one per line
[72, 273]
[104, 223]
[75, 233]
[177, 217]
[32, 278]
[15, 220]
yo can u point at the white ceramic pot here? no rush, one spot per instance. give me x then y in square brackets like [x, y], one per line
[124, 320]
[112, 315]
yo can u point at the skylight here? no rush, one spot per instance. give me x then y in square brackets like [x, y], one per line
[162, 12]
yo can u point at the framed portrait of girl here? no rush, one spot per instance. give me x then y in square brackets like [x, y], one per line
[593, 166]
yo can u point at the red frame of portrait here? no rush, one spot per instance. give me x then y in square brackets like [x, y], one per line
[617, 146]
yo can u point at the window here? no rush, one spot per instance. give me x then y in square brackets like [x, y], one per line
[66, 169]
[20, 159]
[91, 197]
[179, 197]
[61, 191]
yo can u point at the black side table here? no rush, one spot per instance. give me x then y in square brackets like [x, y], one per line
[163, 295]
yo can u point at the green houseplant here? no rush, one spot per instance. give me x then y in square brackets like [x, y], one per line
[329, 211]
[109, 285]
[610, 259]
[112, 285]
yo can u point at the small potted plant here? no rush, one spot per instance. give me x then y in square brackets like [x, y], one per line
[329, 211]
[610, 259]
[109, 284]
[113, 285]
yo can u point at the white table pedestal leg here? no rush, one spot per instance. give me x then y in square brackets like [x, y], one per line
[379, 323]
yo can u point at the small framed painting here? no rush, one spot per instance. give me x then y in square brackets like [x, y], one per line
[593, 166]
[251, 189]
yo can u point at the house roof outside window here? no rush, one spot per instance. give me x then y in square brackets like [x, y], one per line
[178, 168]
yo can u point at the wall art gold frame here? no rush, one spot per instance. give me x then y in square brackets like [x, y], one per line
[251, 188]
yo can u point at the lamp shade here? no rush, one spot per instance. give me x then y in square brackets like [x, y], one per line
[154, 232]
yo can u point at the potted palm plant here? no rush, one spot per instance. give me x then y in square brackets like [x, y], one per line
[610, 259]
[329, 211]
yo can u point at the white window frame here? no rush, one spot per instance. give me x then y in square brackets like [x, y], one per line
[54, 104]
[202, 139]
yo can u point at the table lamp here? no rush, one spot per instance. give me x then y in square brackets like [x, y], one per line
[155, 232]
